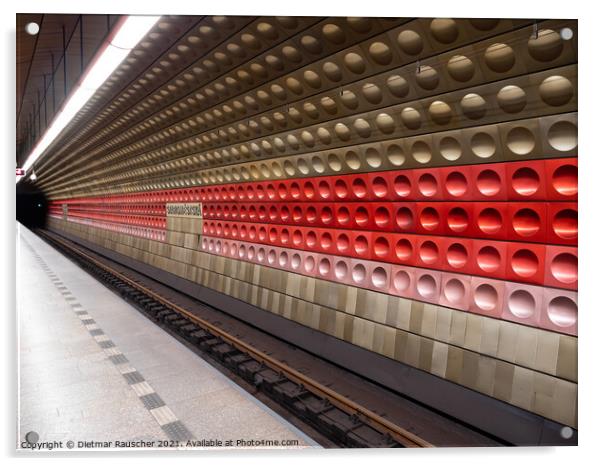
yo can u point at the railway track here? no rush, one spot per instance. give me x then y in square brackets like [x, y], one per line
[345, 422]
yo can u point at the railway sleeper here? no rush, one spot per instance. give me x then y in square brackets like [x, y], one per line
[365, 436]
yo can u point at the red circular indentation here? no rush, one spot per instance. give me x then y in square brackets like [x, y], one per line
[295, 191]
[428, 252]
[297, 238]
[404, 218]
[403, 249]
[340, 189]
[360, 245]
[457, 256]
[429, 218]
[325, 241]
[359, 188]
[311, 215]
[427, 185]
[457, 219]
[284, 236]
[489, 183]
[489, 220]
[489, 259]
[379, 186]
[524, 263]
[271, 191]
[311, 239]
[284, 213]
[343, 216]
[309, 191]
[564, 224]
[260, 192]
[382, 217]
[326, 215]
[297, 214]
[342, 243]
[282, 191]
[324, 189]
[456, 184]
[361, 216]
[525, 181]
[564, 267]
[526, 222]
[402, 186]
[381, 247]
[564, 180]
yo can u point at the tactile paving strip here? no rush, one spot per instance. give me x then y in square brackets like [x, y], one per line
[165, 417]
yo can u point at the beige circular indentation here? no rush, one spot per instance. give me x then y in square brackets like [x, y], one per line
[427, 77]
[311, 44]
[450, 148]
[562, 136]
[362, 127]
[410, 42]
[546, 47]
[372, 93]
[398, 86]
[440, 112]
[349, 100]
[358, 24]
[312, 78]
[461, 68]
[373, 157]
[395, 155]
[520, 140]
[421, 152]
[511, 99]
[317, 164]
[332, 71]
[482, 145]
[292, 54]
[324, 135]
[333, 33]
[294, 85]
[484, 24]
[500, 58]
[473, 106]
[445, 30]
[267, 30]
[352, 160]
[355, 63]
[334, 162]
[556, 90]
[329, 105]
[385, 123]
[342, 132]
[380, 53]
[411, 118]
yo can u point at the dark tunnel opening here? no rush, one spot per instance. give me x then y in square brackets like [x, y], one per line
[32, 205]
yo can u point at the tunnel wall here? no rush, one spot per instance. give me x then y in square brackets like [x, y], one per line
[413, 193]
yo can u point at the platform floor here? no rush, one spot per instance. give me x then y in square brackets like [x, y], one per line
[93, 369]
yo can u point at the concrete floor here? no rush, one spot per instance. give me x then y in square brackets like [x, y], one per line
[92, 368]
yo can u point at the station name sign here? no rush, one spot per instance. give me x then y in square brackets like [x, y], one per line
[184, 210]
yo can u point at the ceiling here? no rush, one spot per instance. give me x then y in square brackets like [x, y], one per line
[35, 56]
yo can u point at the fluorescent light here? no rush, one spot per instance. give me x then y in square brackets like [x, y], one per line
[130, 32]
